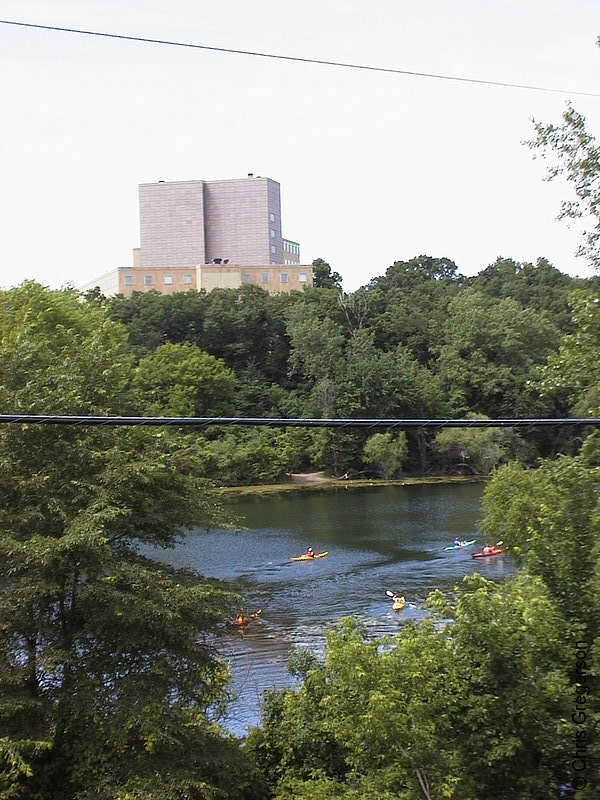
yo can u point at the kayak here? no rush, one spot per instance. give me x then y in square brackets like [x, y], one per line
[306, 557]
[245, 620]
[398, 603]
[462, 544]
[493, 551]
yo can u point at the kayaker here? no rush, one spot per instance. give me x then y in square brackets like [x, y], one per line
[239, 619]
[457, 542]
[310, 552]
[487, 549]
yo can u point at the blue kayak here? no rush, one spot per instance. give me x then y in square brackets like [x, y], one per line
[458, 546]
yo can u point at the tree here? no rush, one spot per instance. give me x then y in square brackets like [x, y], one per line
[547, 517]
[477, 450]
[107, 677]
[409, 305]
[492, 355]
[578, 160]
[386, 451]
[421, 269]
[470, 709]
[574, 371]
[539, 286]
[180, 380]
[316, 342]
[323, 277]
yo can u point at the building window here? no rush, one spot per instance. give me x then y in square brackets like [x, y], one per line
[272, 233]
[167, 280]
[148, 280]
[128, 280]
[264, 278]
[302, 277]
[272, 248]
[245, 277]
[283, 277]
[187, 279]
[272, 217]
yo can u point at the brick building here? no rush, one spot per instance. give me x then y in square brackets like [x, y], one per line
[209, 234]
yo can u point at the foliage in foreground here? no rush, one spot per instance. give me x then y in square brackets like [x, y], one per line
[476, 702]
[109, 684]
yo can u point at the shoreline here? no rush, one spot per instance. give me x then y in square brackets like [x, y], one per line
[333, 484]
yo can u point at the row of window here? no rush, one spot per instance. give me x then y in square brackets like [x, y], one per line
[149, 280]
[265, 277]
[187, 279]
[290, 247]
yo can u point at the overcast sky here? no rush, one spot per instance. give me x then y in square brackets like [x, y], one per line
[373, 167]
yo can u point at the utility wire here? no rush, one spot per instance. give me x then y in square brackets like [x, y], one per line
[299, 59]
[203, 422]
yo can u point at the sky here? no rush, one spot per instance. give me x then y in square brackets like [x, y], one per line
[374, 167]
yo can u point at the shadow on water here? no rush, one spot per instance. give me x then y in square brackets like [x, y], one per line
[379, 539]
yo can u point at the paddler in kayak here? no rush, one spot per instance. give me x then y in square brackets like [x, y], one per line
[487, 550]
[457, 542]
[310, 552]
[239, 619]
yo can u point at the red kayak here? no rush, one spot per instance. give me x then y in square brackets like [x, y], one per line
[487, 551]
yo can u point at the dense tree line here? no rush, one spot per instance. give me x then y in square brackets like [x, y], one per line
[110, 680]
[420, 341]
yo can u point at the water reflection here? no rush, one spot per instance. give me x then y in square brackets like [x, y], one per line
[378, 539]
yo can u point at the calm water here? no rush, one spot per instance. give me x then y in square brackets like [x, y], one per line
[378, 539]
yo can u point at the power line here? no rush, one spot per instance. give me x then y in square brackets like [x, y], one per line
[273, 422]
[299, 59]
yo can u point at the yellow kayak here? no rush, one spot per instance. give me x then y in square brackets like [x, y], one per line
[398, 603]
[306, 557]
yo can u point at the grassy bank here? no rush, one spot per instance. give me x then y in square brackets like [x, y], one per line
[334, 484]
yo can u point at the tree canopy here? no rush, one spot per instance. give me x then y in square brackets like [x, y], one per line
[106, 672]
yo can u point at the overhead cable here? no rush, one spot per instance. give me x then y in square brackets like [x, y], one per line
[278, 422]
[299, 59]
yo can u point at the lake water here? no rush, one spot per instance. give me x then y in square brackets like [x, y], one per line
[384, 538]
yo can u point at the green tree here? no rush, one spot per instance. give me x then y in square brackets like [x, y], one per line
[107, 678]
[467, 711]
[574, 371]
[492, 355]
[409, 305]
[316, 342]
[421, 269]
[323, 277]
[386, 452]
[538, 286]
[549, 519]
[577, 158]
[180, 380]
[478, 450]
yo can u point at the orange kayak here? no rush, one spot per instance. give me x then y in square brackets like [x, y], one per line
[493, 551]
[306, 557]
[240, 622]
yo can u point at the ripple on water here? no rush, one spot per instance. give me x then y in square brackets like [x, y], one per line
[380, 539]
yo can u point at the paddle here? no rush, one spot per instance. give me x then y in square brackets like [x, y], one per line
[395, 594]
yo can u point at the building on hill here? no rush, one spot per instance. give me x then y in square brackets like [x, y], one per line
[207, 235]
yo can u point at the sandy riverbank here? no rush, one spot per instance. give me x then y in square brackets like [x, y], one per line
[319, 481]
